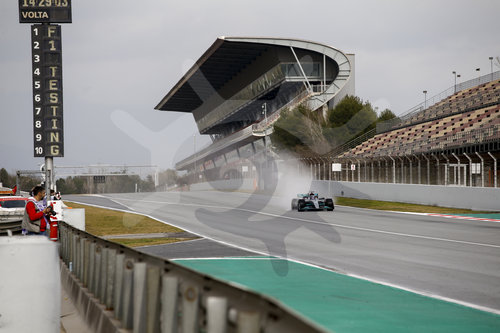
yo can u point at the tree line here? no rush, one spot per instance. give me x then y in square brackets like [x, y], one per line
[307, 133]
[119, 183]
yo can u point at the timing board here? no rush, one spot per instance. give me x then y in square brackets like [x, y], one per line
[45, 11]
[46, 47]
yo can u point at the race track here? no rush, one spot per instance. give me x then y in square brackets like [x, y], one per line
[453, 259]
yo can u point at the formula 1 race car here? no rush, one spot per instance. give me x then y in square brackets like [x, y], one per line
[312, 201]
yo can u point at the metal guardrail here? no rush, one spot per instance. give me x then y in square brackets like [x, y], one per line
[150, 294]
[261, 127]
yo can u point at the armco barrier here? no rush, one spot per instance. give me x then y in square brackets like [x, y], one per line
[116, 288]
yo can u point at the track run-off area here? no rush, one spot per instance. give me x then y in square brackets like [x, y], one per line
[350, 270]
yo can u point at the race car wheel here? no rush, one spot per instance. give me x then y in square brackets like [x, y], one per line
[329, 204]
[300, 205]
[294, 203]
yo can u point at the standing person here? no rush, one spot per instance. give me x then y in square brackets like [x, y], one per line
[34, 219]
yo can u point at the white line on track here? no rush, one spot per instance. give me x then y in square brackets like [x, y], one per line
[415, 291]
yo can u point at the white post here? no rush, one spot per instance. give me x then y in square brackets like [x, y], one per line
[419, 170]
[495, 168]
[411, 171]
[216, 314]
[428, 170]
[482, 169]
[403, 180]
[169, 312]
[438, 173]
[393, 170]
[470, 170]
[459, 171]
[446, 174]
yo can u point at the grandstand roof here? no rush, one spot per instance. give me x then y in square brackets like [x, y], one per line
[226, 57]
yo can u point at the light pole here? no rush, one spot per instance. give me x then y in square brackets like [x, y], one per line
[425, 99]
[491, 64]
[455, 73]
[478, 70]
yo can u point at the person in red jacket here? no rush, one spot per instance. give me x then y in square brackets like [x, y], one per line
[34, 219]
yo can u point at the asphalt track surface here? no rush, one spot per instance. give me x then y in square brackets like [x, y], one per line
[452, 259]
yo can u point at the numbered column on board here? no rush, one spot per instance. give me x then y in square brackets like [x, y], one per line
[37, 60]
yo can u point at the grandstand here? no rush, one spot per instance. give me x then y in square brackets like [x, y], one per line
[238, 89]
[455, 141]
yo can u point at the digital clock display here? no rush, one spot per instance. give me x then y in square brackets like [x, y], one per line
[45, 11]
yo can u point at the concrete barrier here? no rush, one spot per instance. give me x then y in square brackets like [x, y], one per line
[476, 198]
[74, 217]
[30, 291]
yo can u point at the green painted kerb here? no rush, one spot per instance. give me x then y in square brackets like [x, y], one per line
[345, 304]
[483, 216]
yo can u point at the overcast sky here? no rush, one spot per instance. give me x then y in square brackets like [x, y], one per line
[120, 57]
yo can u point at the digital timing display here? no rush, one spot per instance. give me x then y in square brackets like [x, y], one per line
[45, 11]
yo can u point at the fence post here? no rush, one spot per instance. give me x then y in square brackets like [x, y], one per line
[482, 169]
[438, 181]
[459, 171]
[447, 170]
[494, 167]
[411, 169]
[393, 170]
[428, 169]
[470, 169]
